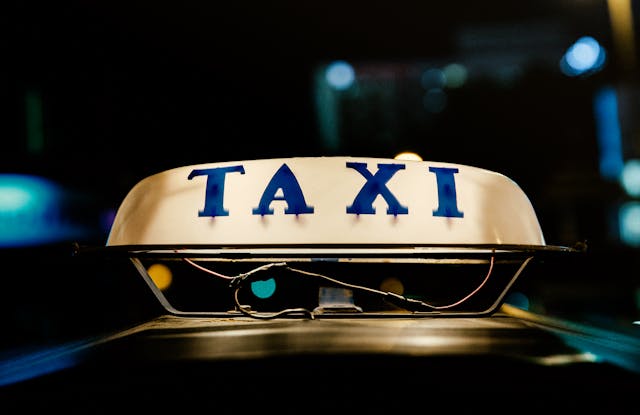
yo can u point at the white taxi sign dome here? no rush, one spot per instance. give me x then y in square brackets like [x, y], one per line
[309, 201]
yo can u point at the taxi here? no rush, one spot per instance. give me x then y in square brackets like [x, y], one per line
[328, 284]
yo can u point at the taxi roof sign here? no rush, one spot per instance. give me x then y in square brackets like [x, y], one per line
[326, 201]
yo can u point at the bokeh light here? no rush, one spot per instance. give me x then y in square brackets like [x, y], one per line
[340, 75]
[263, 289]
[629, 222]
[408, 155]
[630, 177]
[161, 275]
[584, 56]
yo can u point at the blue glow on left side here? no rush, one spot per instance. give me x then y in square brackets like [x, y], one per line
[39, 363]
[31, 211]
[19, 193]
[605, 107]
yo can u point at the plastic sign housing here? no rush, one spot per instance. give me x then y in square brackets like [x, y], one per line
[336, 201]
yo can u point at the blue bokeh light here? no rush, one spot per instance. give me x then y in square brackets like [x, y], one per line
[32, 212]
[585, 56]
[605, 107]
[340, 75]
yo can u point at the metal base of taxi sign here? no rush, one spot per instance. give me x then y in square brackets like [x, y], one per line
[247, 223]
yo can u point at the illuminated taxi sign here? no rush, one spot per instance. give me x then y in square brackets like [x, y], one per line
[326, 200]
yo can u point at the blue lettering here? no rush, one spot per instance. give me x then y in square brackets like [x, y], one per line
[374, 186]
[447, 204]
[291, 193]
[214, 195]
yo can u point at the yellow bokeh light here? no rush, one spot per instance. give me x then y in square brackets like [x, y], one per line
[161, 275]
[408, 155]
[392, 285]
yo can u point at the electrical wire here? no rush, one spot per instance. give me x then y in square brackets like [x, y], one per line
[404, 302]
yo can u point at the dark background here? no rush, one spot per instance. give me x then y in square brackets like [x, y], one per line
[125, 89]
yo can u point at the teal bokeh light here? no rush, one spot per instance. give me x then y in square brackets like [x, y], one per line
[31, 212]
[629, 219]
[263, 289]
[630, 177]
[340, 75]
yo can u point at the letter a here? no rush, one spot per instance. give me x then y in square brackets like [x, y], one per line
[291, 193]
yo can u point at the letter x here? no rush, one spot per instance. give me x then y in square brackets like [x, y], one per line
[374, 186]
